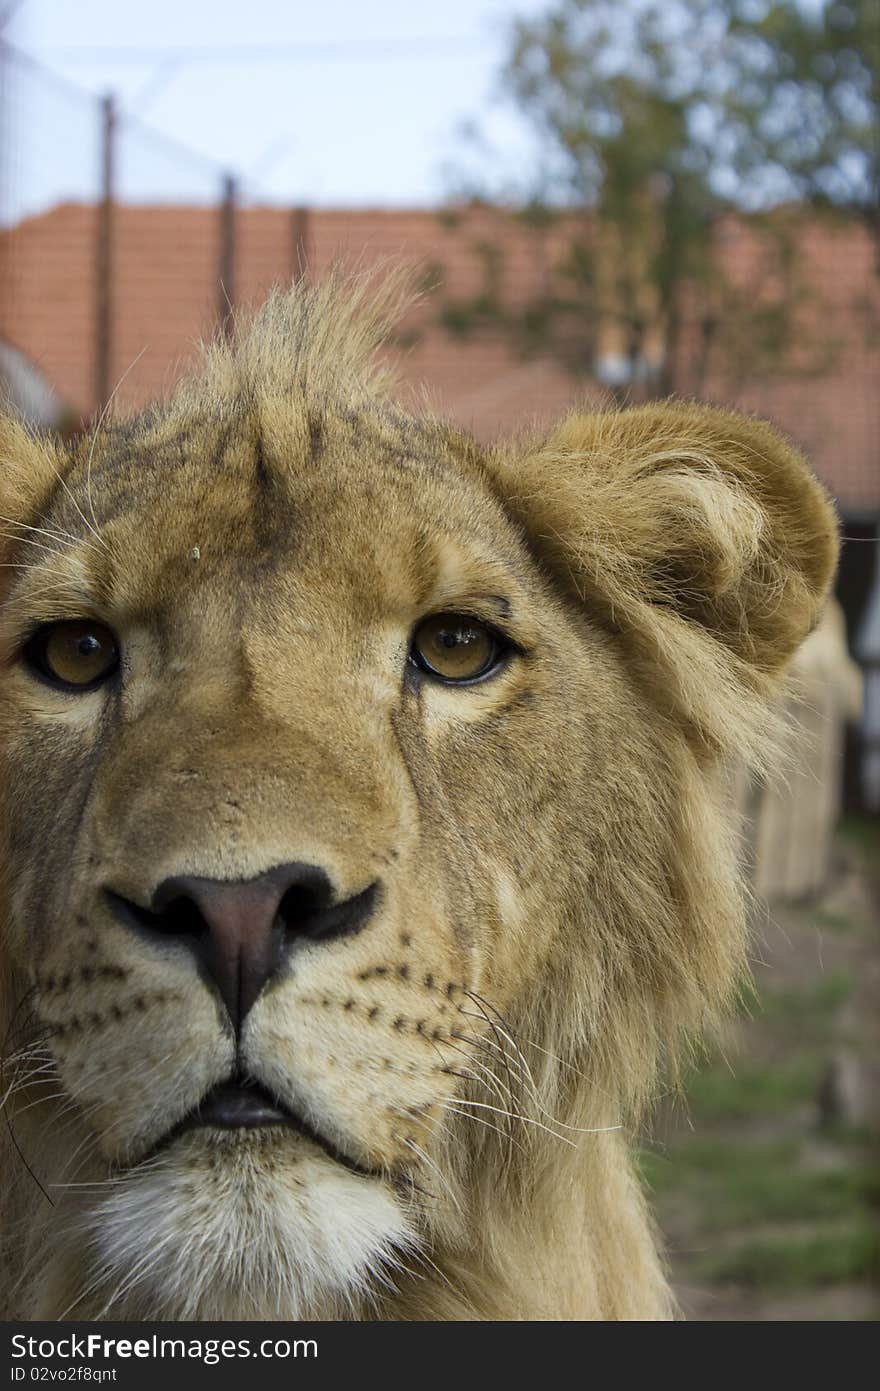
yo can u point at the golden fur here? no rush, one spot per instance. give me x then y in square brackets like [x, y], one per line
[561, 911]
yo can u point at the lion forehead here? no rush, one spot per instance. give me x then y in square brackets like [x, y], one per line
[372, 504]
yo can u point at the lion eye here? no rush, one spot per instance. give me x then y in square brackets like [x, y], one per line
[77, 654]
[453, 647]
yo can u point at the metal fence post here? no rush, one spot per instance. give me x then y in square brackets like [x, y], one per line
[5, 184]
[104, 256]
[299, 243]
[226, 285]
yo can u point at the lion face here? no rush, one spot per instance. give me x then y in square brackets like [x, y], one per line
[361, 856]
[270, 849]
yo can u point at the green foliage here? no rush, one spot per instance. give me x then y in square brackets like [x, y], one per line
[747, 1185]
[661, 116]
[461, 317]
[819, 1001]
[765, 1201]
[863, 834]
[722, 1092]
[755, 101]
[803, 93]
[826, 1257]
[823, 921]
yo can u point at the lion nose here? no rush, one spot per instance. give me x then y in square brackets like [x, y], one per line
[241, 931]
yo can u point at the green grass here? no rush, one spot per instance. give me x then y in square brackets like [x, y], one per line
[863, 834]
[712, 1160]
[826, 996]
[833, 922]
[745, 1185]
[754, 1193]
[722, 1092]
[819, 1000]
[828, 1257]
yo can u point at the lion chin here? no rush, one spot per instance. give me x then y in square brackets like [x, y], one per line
[241, 1225]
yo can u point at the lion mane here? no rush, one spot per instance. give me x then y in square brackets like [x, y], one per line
[502, 907]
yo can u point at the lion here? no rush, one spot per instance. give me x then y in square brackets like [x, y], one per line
[365, 856]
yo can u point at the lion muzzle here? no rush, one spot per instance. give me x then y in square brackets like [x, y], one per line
[242, 932]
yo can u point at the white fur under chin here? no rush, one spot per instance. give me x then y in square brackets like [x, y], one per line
[246, 1227]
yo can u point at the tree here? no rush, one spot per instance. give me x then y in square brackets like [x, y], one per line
[659, 117]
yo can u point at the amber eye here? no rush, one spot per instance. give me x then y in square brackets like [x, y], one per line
[453, 647]
[77, 654]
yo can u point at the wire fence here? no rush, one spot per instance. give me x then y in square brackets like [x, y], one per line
[74, 173]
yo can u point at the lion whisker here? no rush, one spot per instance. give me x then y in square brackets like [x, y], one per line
[494, 1029]
[491, 1078]
[481, 1120]
[17, 1147]
[100, 421]
[487, 1044]
[434, 1166]
[23, 1084]
[55, 535]
[28, 995]
[26, 541]
[504, 1028]
[63, 481]
[535, 1094]
[87, 1183]
[554, 1120]
[512, 1115]
[421, 1255]
[563, 1062]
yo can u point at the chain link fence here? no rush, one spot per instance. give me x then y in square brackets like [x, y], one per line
[76, 175]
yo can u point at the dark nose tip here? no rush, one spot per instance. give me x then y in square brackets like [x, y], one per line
[241, 931]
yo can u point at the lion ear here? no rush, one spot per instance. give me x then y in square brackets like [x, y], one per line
[28, 469]
[700, 531]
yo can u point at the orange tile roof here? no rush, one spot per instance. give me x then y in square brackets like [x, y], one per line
[166, 294]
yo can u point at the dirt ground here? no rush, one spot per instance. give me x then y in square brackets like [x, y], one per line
[766, 1182]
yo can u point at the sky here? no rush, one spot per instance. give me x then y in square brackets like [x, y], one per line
[332, 104]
